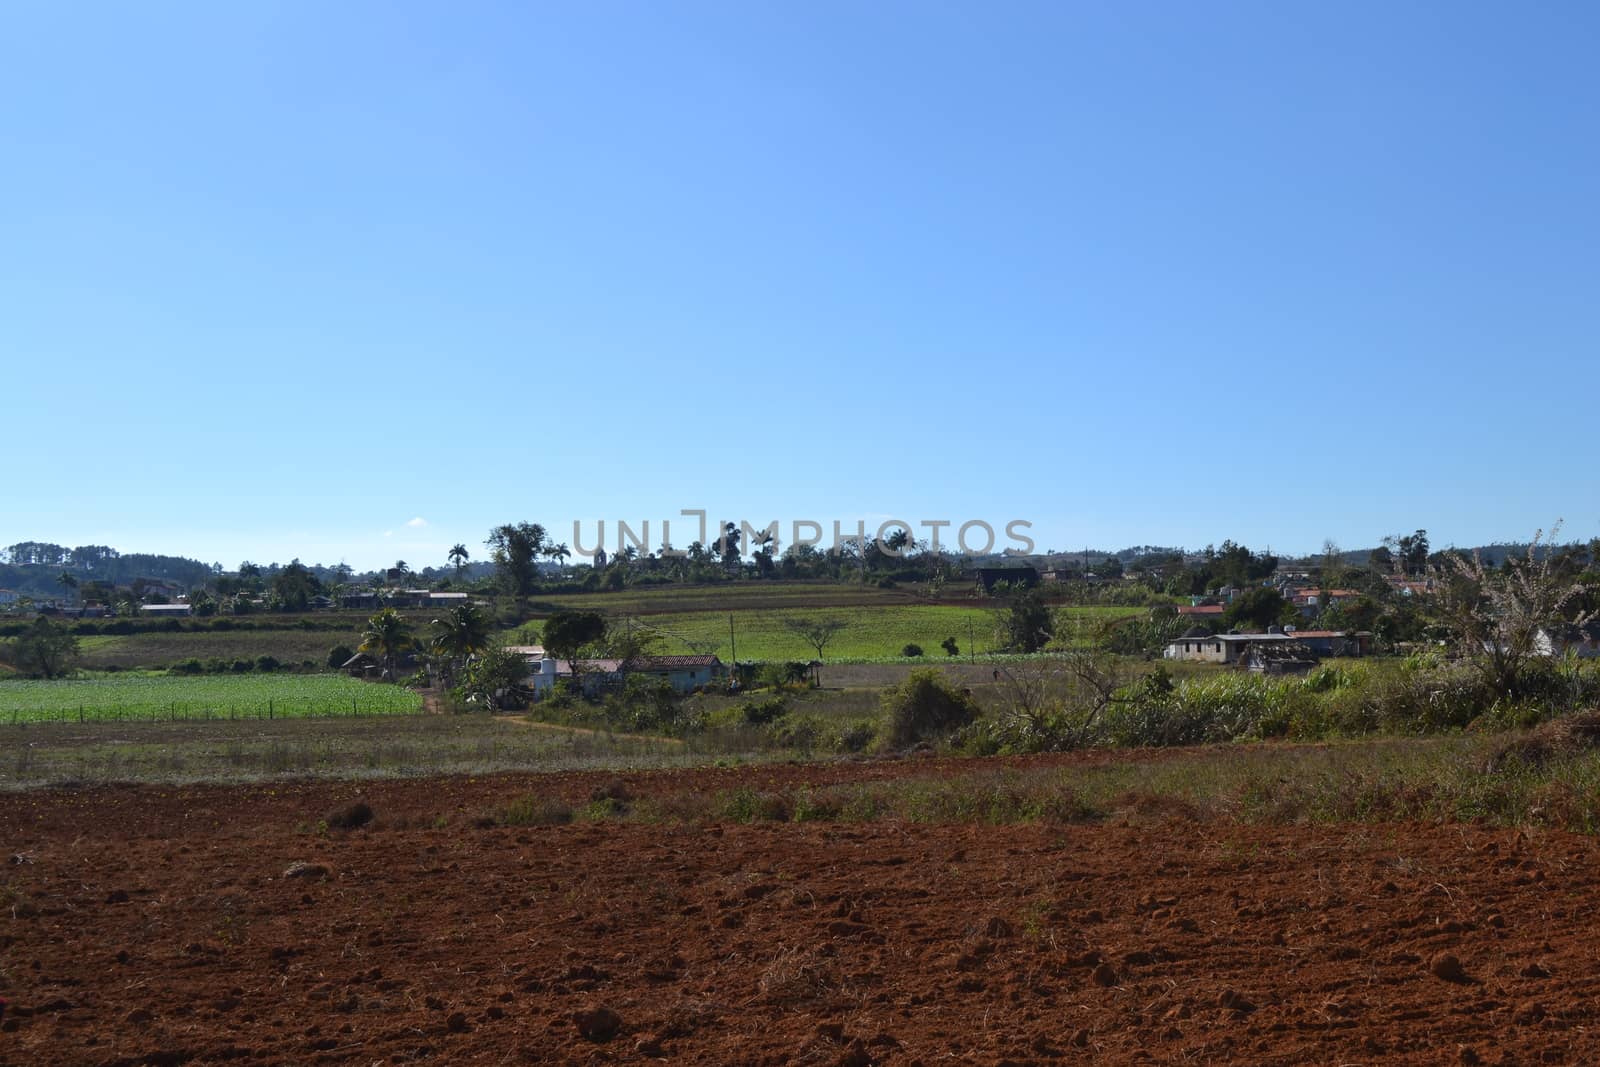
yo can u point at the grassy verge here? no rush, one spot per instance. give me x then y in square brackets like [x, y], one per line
[379, 747]
[1434, 780]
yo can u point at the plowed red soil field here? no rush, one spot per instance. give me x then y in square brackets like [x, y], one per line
[160, 926]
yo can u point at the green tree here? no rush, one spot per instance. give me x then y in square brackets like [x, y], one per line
[44, 650]
[458, 557]
[68, 583]
[568, 633]
[1024, 623]
[922, 707]
[457, 636]
[515, 549]
[497, 680]
[387, 636]
[1258, 607]
[294, 586]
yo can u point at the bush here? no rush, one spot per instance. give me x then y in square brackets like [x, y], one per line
[349, 817]
[912, 651]
[188, 666]
[339, 656]
[759, 713]
[538, 811]
[922, 707]
[950, 647]
[267, 664]
[241, 666]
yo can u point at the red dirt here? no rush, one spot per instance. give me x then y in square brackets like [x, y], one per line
[157, 925]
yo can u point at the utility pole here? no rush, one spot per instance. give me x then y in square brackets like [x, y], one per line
[733, 646]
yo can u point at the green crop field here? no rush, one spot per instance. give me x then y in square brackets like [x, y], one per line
[160, 650]
[870, 633]
[201, 697]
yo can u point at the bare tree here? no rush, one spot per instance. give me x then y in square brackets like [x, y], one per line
[818, 634]
[1058, 703]
[1501, 620]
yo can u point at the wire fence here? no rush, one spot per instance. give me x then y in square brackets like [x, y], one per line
[184, 711]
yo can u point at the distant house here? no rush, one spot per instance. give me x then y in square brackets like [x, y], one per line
[1279, 657]
[684, 673]
[1335, 642]
[1582, 642]
[173, 610]
[362, 665]
[1061, 574]
[1202, 611]
[447, 600]
[362, 600]
[991, 577]
[320, 602]
[9, 597]
[1199, 647]
[1312, 601]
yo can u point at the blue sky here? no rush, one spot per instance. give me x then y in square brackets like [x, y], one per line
[278, 279]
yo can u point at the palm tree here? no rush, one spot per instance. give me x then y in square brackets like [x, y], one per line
[559, 553]
[459, 556]
[387, 635]
[68, 583]
[463, 633]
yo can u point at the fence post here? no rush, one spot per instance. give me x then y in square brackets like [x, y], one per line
[269, 709]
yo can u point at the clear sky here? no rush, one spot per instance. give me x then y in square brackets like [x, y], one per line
[279, 279]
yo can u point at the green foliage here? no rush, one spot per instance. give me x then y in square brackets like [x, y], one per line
[210, 695]
[567, 633]
[912, 651]
[950, 647]
[760, 713]
[1257, 609]
[537, 811]
[515, 548]
[339, 655]
[645, 705]
[1025, 623]
[387, 636]
[44, 650]
[495, 679]
[923, 707]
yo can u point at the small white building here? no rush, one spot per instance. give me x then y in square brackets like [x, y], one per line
[170, 610]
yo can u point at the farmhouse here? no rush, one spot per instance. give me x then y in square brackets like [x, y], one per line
[1279, 657]
[1580, 641]
[1197, 646]
[175, 610]
[684, 673]
[1202, 611]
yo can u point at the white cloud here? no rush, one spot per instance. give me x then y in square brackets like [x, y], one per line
[388, 533]
[418, 521]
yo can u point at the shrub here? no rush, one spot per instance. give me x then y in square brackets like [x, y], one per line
[538, 811]
[349, 817]
[240, 666]
[912, 651]
[759, 713]
[267, 664]
[950, 647]
[188, 666]
[922, 707]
